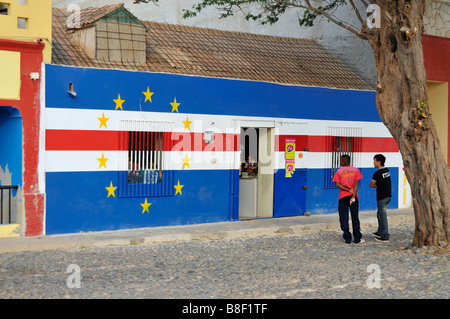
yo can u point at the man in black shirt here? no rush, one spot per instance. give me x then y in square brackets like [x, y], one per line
[381, 180]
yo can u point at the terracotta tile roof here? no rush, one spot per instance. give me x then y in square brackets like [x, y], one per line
[223, 54]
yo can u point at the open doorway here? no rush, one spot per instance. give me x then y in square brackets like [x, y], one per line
[11, 211]
[256, 173]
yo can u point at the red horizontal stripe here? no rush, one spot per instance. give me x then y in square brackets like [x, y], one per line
[71, 140]
[75, 140]
[301, 141]
[186, 141]
[319, 143]
[379, 144]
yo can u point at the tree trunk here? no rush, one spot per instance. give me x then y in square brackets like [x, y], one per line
[402, 102]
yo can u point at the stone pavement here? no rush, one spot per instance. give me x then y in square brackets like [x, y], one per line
[212, 231]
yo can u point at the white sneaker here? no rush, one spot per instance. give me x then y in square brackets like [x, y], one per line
[362, 241]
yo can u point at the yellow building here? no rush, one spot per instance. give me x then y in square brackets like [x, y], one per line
[27, 20]
[439, 108]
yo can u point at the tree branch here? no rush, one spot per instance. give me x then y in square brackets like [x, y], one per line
[357, 12]
[272, 9]
[332, 19]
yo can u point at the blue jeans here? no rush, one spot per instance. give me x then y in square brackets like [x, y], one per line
[344, 205]
[383, 229]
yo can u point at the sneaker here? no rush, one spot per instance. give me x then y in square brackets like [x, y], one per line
[381, 239]
[376, 234]
[360, 242]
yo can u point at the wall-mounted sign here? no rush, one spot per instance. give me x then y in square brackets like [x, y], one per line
[290, 148]
[290, 167]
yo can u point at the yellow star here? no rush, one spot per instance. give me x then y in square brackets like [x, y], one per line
[111, 190]
[145, 206]
[187, 123]
[148, 95]
[178, 187]
[119, 103]
[103, 120]
[186, 161]
[102, 161]
[175, 105]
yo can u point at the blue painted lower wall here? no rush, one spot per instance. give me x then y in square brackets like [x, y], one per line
[78, 202]
[321, 200]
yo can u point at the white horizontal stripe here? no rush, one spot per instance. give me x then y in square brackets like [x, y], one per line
[87, 119]
[369, 129]
[82, 161]
[87, 161]
[318, 160]
[75, 161]
[74, 119]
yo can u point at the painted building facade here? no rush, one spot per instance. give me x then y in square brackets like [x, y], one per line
[214, 126]
[147, 124]
[25, 38]
[138, 149]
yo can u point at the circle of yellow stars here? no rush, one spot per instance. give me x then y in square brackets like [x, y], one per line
[119, 103]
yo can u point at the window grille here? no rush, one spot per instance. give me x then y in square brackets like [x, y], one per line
[145, 166]
[341, 141]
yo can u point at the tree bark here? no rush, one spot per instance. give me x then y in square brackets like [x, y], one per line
[402, 102]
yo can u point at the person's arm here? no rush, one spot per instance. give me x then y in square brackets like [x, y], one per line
[342, 187]
[373, 182]
[354, 191]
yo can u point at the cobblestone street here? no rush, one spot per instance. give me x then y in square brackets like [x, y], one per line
[311, 265]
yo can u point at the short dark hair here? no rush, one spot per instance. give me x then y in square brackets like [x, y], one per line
[346, 158]
[380, 158]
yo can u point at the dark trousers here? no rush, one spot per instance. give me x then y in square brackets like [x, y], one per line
[383, 228]
[344, 205]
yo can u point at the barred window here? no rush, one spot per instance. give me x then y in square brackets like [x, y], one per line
[341, 141]
[145, 168]
[145, 157]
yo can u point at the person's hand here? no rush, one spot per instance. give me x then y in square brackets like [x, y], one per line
[352, 200]
[351, 190]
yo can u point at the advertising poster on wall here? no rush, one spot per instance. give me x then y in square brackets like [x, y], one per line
[289, 156]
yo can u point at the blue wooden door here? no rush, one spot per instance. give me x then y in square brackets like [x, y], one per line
[289, 193]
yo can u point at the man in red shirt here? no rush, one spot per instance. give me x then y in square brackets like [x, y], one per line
[347, 180]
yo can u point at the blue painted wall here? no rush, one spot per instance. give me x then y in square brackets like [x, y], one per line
[11, 143]
[78, 202]
[97, 88]
[321, 200]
